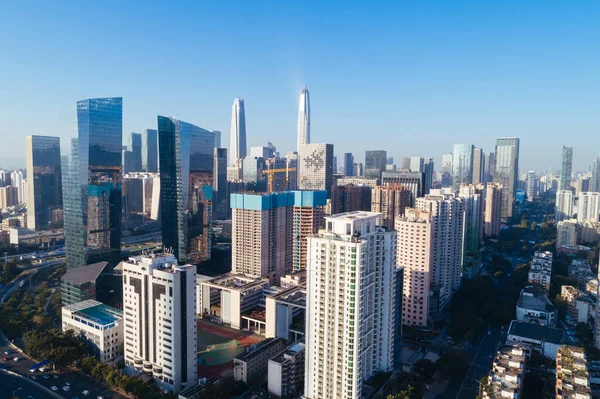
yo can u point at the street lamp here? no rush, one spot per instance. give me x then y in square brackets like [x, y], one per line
[15, 391]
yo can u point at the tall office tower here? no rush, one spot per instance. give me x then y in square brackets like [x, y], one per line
[92, 183]
[303, 118]
[265, 152]
[390, 160]
[493, 209]
[532, 185]
[478, 166]
[472, 200]
[237, 136]
[220, 197]
[316, 167]
[564, 205]
[4, 178]
[350, 305]
[150, 151]
[416, 164]
[415, 181]
[348, 164]
[359, 169]
[505, 172]
[595, 178]
[405, 166]
[489, 166]
[252, 172]
[375, 163]
[390, 200]
[24, 188]
[186, 155]
[308, 217]
[462, 165]
[16, 180]
[127, 164]
[566, 167]
[429, 171]
[160, 319]
[589, 207]
[350, 197]
[217, 134]
[8, 196]
[135, 146]
[447, 162]
[281, 173]
[335, 168]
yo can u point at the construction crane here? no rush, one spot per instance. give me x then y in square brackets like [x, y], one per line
[271, 173]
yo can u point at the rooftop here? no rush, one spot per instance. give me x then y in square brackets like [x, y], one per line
[84, 274]
[95, 311]
[534, 298]
[536, 332]
[256, 350]
[236, 281]
[291, 351]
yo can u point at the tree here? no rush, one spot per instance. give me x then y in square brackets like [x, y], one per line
[452, 364]
[426, 369]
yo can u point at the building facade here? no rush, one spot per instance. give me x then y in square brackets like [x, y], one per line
[150, 151]
[303, 118]
[462, 165]
[237, 137]
[588, 207]
[506, 170]
[375, 161]
[564, 205]
[390, 200]
[566, 168]
[316, 167]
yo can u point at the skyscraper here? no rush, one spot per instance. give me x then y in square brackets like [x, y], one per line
[350, 197]
[237, 138]
[316, 167]
[416, 164]
[489, 168]
[390, 200]
[303, 118]
[16, 180]
[589, 207]
[472, 200]
[92, 184]
[532, 185]
[42, 157]
[564, 205]
[462, 165]
[447, 162]
[160, 319]
[415, 181]
[150, 151]
[565, 170]
[350, 305]
[308, 217]
[135, 146]
[595, 179]
[478, 166]
[186, 155]
[493, 209]
[506, 171]
[375, 161]
[220, 197]
[348, 164]
[429, 171]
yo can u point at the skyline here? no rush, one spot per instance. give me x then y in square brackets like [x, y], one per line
[511, 70]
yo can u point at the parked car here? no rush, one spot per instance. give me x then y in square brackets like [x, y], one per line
[54, 388]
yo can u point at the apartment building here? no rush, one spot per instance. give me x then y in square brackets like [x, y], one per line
[253, 364]
[286, 372]
[540, 270]
[390, 200]
[572, 376]
[507, 376]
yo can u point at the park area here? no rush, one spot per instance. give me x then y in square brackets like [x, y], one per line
[218, 345]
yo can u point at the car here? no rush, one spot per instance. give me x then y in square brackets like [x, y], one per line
[7, 352]
[42, 369]
[100, 397]
[5, 359]
[68, 383]
[46, 376]
[16, 359]
[55, 376]
[33, 377]
[54, 388]
[86, 392]
[66, 388]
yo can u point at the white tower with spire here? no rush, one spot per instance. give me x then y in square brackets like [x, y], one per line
[304, 118]
[237, 138]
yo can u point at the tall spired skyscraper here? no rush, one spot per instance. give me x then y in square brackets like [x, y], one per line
[237, 138]
[304, 118]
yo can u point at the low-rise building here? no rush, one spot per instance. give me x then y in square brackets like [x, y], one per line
[252, 365]
[579, 305]
[508, 371]
[286, 372]
[572, 377]
[545, 340]
[286, 314]
[540, 270]
[534, 306]
[99, 324]
[81, 283]
[295, 279]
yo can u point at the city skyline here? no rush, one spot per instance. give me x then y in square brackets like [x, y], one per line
[447, 97]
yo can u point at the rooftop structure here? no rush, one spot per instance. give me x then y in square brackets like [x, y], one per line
[508, 371]
[545, 340]
[252, 365]
[534, 307]
[80, 283]
[572, 377]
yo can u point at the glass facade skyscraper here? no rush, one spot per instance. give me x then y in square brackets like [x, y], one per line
[150, 151]
[462, 165]
[45, 180]
[186, 172]
[375, 162]
[506, 170]
[566, 167]
[135, 146]
[92, 184]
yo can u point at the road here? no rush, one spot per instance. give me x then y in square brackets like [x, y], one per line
[25, 389]
[79, 382]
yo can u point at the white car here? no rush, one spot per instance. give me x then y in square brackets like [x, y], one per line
[66, 388]
[54, 388]
[86, 392]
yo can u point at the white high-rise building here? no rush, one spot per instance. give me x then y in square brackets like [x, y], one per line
[532, 185]
[16, 180]
[304, 118]
[350, 306]
[588, 207]
[237, 137]
[316, 167]
[159, 299]
[472, 198]
[564, 205]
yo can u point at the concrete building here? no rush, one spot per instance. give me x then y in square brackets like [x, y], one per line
[566, 234]
[286, 314]
[315, 167]
[84, 283]
[308, 217]
[588, 207]
[286, 372]
[160, 319]
[390, 200]
[232, 299]
[415, 181]
[9, 196]
[564, 205]
[506, 379]
[578, 304]
[101, 325]
[253, 364]
[493, 209]
[375, 161]
[540, 270]
[532, 185]
[534, 307]
[544, 340]
[348, 164]
[478, 166]
[349, 198]
[572, 376]
[506, 168]
[357, 181]
[350, 305]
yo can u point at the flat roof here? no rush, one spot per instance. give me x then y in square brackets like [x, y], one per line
[263, 345]
[95, 311]
[535, 298]
[84, 274]
[536, 332]
[235, 281]
[353, 215]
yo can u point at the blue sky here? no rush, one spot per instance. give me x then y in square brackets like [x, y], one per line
[409, 77]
